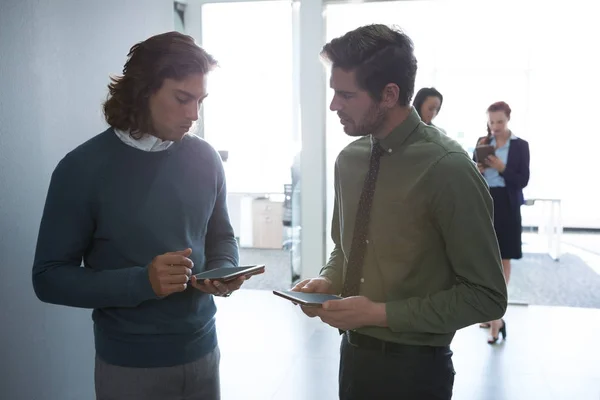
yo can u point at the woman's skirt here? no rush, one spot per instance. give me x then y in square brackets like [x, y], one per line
[507, 224]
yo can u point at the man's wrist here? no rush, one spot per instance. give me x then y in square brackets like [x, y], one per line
[326, 278]
[379, 315]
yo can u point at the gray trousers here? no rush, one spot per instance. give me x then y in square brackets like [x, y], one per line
[198, 380]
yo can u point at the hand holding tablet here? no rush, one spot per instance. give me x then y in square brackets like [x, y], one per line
[482, 152]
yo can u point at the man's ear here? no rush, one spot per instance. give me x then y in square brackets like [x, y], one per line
[390, 95]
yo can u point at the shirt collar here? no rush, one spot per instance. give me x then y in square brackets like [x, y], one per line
[512, 137]
[399, 134]
[145, 143]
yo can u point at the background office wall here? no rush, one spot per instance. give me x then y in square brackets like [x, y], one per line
[55, 59]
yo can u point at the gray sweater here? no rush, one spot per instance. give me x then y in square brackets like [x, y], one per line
[116, 208]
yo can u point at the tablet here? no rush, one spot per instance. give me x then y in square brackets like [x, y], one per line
[306, 299]
[231, 273]
[484, 151]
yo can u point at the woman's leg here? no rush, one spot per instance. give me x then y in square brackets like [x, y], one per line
[506, 267]
[496, 325]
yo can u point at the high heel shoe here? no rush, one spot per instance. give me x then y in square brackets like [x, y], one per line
[502, 331]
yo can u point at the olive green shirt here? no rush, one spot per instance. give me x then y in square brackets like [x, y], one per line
[432, 255]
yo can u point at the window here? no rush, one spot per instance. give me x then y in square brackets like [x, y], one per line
[249, 109]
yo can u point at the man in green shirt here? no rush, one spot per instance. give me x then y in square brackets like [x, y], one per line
[415, 256]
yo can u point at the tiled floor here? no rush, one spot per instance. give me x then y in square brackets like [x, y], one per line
[270, 350]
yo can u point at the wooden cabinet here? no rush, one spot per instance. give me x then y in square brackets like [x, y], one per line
[267, 224]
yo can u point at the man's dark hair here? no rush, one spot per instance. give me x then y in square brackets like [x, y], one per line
[380, 55]
[422, 95]
[170, 55]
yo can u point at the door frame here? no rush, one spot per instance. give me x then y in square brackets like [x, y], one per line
[308, 27]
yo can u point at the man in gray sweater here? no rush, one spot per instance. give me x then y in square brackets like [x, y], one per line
[143, 205]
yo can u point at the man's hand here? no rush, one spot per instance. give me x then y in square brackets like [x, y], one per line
[352, 312]
[218, 288]
[170, 272]
[314, 285]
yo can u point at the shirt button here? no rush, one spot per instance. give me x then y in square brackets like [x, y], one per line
[389, 150]
[362, 280]
[367, 241]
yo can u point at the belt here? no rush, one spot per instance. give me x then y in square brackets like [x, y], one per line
[371, 343]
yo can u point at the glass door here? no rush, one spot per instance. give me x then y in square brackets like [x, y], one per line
[249, 118]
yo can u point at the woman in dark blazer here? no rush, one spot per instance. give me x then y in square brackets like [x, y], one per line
[507, 174]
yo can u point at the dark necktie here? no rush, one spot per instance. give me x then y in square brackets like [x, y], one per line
[361, 226]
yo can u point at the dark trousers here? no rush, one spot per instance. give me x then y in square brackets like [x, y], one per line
[371, 369]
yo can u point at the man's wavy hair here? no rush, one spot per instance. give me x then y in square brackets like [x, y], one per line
[170, 55]
[380, 55]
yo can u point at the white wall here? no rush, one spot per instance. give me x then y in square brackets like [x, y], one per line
[55, 60]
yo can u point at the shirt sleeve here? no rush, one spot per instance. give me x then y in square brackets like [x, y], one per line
[334, 269]
[462, 210]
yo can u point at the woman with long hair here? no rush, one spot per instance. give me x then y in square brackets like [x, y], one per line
[428, 103]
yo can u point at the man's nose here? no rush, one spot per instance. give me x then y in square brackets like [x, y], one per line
[193, 112]
[334, 105]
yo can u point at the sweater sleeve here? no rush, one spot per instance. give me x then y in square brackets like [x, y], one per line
[65, 235]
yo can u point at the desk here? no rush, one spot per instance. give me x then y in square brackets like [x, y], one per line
[550, 226]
